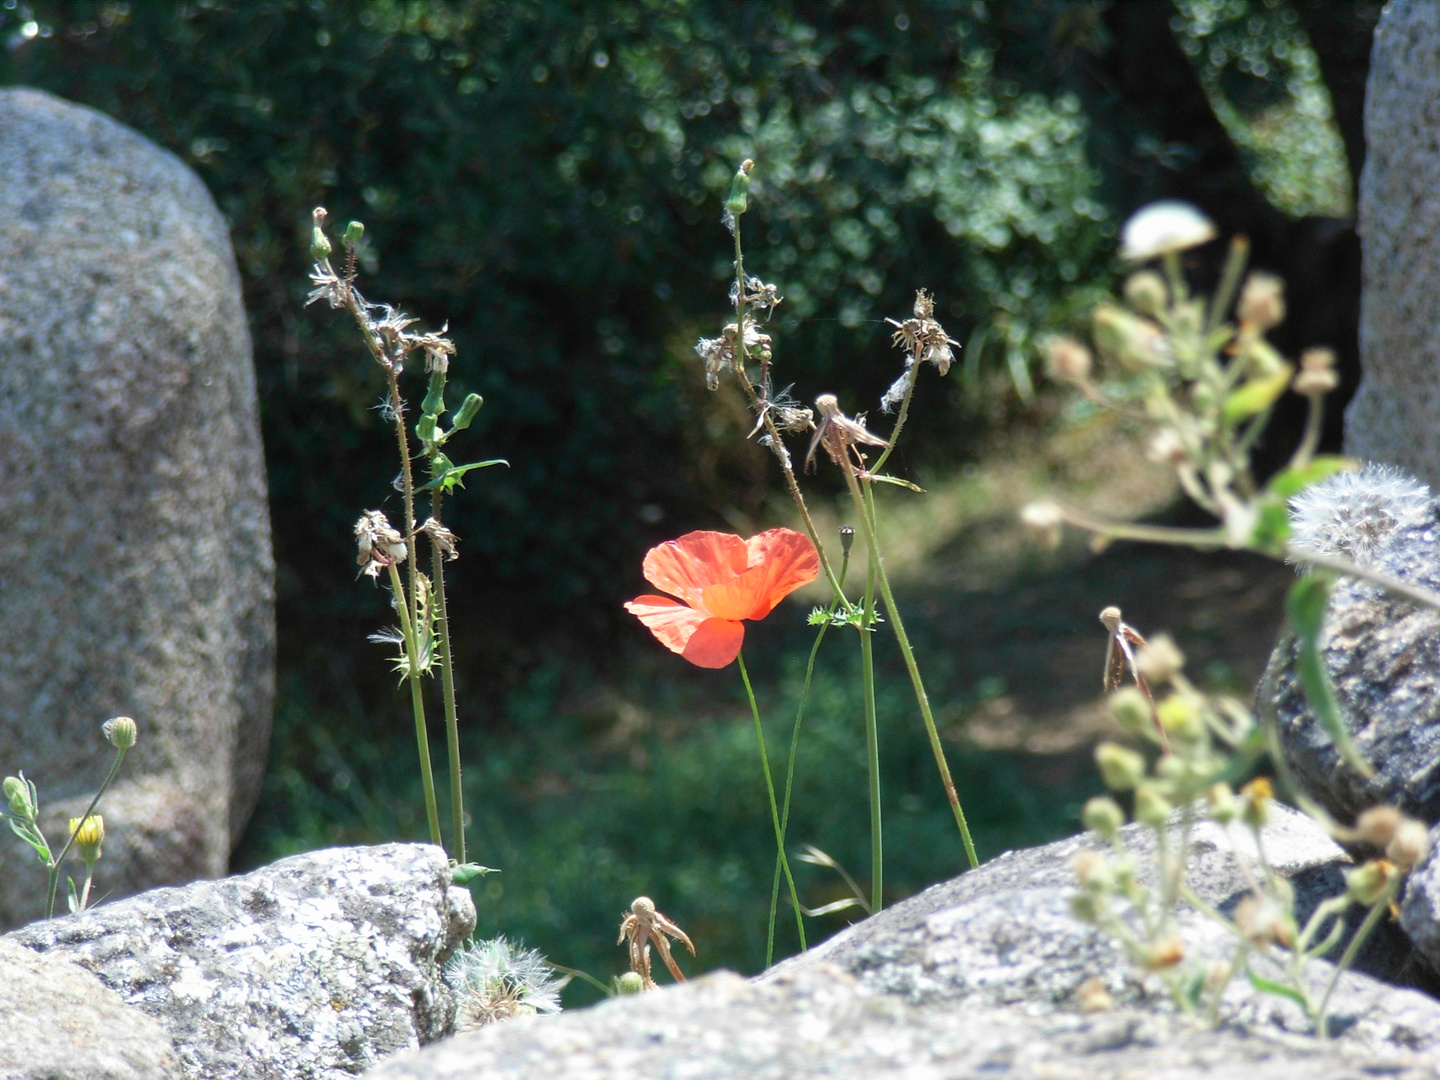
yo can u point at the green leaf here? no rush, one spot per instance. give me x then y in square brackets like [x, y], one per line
[1291, 482]
[1306, 605]
[72, 898]
[465, 873]
[897, 482]
[1272, 526]
[450, 478]
[1267, 986]
[1255, 396]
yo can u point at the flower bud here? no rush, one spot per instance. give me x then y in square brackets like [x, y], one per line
[1151, 807]
[1067, 360]
[847, 538]
[1131, 710]
[1377, 825]
[629, 983]
[1159, 660]
[1136, 344]
[1120, 768]
[1103, 815]
[1224, 807]
[17, 794]
[319, 244]
[1167, 448]
[1093, 997]
[1263, 922]
[1160, 955]
[89, 835]
[120, 732]
[1146, 292]
[1180, 717]
[466, 413]
[1262, 301]
[1409, 846]
[1368, 883]
[1317, 373]
[737, 203]
[353, 233]
[1256, 797]
[1087, 906]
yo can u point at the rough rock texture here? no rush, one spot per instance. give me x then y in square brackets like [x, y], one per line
[977, 977]
[1393, 417]
[315, 967]
[1420, 906]
[133, 518]
[59, 1021]
[1382, 654]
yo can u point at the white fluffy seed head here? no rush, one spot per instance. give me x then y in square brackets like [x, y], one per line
[1354, 513]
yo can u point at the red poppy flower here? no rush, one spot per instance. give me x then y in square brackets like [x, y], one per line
[720, 580]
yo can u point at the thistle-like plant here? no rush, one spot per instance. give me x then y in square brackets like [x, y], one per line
[418, 599]
[498, 979]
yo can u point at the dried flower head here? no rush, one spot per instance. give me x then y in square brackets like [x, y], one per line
[1159, 659]
[443, 539]
[1163, 228]
[1354, 513]
[1262, 301]
[1316, 376]
[1261, 922]
[1409, 846]
[924, 338]
[757, 294]
[1046, 520]
[378, 542]
[641, 927]
[838, 432]
[719, 354]
[1067, 360]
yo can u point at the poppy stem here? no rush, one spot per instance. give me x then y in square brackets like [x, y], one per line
[872, 738]
[775, 818]
[864, 506]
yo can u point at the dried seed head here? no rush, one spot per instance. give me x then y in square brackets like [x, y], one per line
[922, 337]
[1262, 301]
[1409, 846]
[1146, 292]
[1093, 997]
[1163, 954]
[1355, 513]
[1159, 660]
[847, 538]
[443, 539]
[1316, 377]
[720, 354]
[378, 543]
[1067, 360]
[1377, 826]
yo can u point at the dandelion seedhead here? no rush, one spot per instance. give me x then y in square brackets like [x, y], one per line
[379, 544]
[1354, 513]
[498, 979]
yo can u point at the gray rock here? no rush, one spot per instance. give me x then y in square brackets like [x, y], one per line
[1420, 906]
[59, 1021]
[133, 517]
[975, 977]
[1382, 653]
[1393, 416]
[315, 967]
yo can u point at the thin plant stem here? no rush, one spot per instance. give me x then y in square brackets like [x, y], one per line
[397, 406]
[447, 685]
[85, 892]
[417, 704]
[774, 817]
[1314, 421]
[903, 640]
[1352, 950]
[872, 738]
[54, 867]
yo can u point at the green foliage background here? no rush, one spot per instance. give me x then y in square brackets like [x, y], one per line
[546, 178]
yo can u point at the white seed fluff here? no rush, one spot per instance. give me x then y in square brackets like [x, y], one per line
[1353, 513]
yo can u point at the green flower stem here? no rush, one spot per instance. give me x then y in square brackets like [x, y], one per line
[54, 867]
[774, 817]
[901, 638]
[872, 739]
[417, 704]
[410, 599]
[447, 684]
[1322, 1019]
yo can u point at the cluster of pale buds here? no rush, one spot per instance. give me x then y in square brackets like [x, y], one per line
[378, 542]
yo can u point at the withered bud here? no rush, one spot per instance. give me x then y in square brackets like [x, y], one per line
[1159, 660]
[1377, 826]
[1092, 870]
[1163, 954]
[1262, 301]
[1146, 292]
[1046, 520]
[378, 543]
[443, 539]
[1262, 922]
[120, 732]
[1067, 360]
[1367, 884]
[1136, 344]
[837, 432]
[1316, 376]
[1411, 843]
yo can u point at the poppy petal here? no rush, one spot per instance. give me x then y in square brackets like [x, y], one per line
[715, 644]
[781, 560]
[673, 623]
[697, 560]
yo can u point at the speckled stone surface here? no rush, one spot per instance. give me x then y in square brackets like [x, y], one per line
[978, 977]
[59, 1021]
[316, 967]
[134, 525]
[1395, 415]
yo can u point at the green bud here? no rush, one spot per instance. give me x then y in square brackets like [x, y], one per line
[433, 404]
[319, 244]
[466, 413]
[1151, 807]
[1223, 806]
[425, 427]
[1136, 344]
[17, 794]
[120, 732]
[738, 202]
[1131, 710]
[1103, 815]
[353, 233]
[1087, 906]
[1121, 769]
[1256, 797]
[1146, 292]
[629, 983]
[1367, 884]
